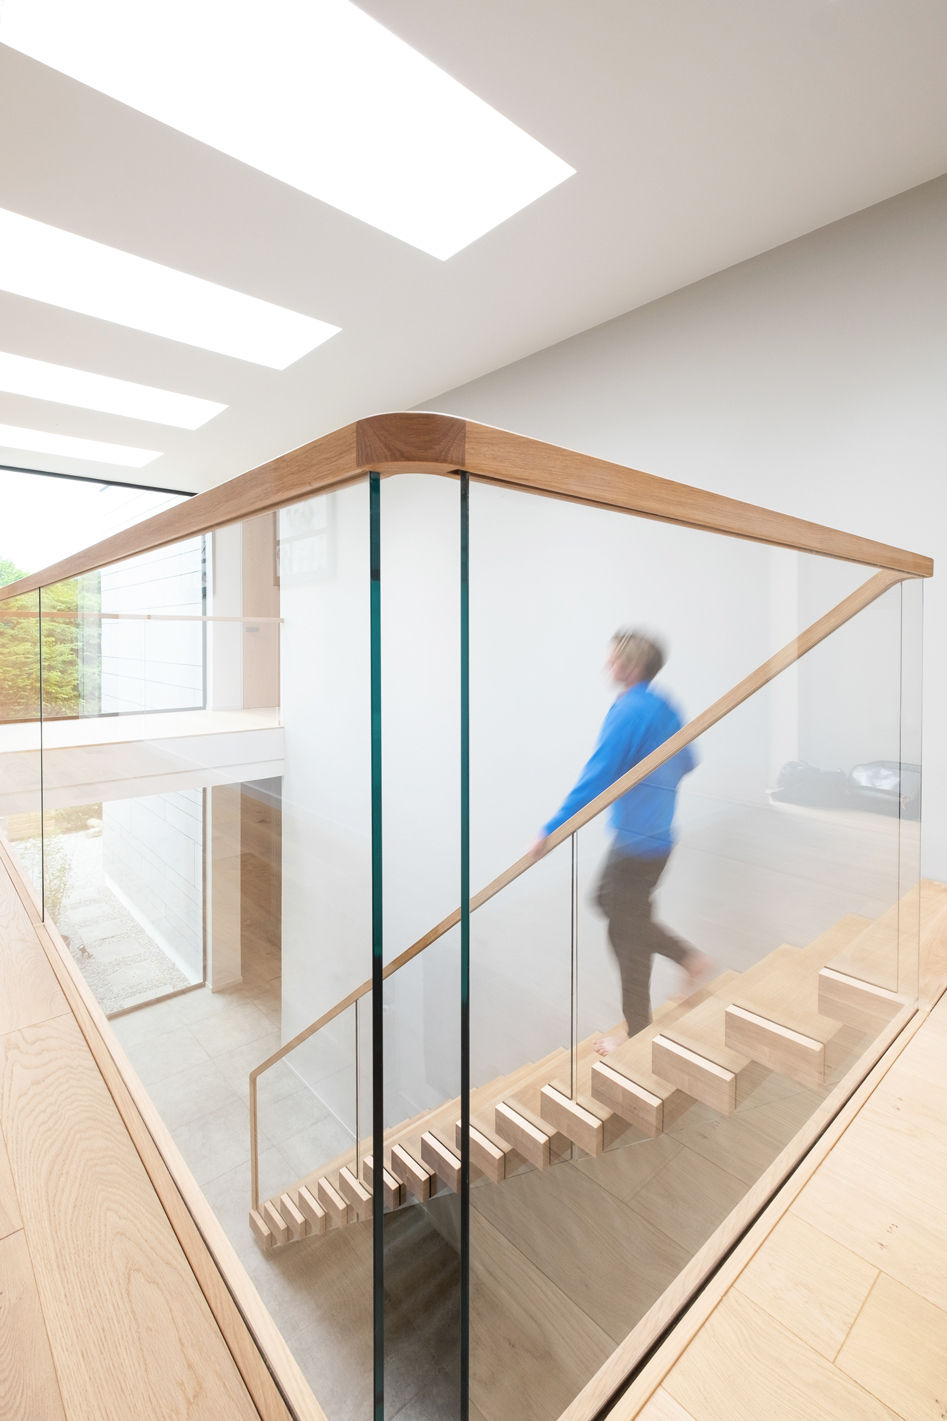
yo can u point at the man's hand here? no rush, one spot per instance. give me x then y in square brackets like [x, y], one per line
[535, 852]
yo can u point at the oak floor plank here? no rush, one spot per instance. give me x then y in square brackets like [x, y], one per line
[893, 1218]
[809, 1283]
[10, 1219]
[130, 1332]
[663, 1407]
[743, 1365]
[29, 991]
[29, 1390]
[897, 1350]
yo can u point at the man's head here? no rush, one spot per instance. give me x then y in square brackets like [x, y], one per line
[634, 657]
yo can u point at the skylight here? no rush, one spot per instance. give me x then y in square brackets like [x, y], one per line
[40, 441]
[313, 92]
[47, 264]
[42, 381]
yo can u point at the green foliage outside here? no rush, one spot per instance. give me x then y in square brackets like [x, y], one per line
[71, 669]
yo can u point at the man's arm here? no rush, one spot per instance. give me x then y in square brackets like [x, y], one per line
[611, 757]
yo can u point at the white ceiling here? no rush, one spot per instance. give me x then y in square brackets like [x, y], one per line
[703, 132]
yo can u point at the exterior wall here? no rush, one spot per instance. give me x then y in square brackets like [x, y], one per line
[154, 665]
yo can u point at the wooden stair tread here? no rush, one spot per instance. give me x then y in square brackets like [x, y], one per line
[788, 996]
[413, 1173]
[527, 1132]
[489, 1155]
[702, 1031]
[633, 1058]
[580, 1124]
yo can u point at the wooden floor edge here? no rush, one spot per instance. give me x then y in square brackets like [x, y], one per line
[695, 1314]
[269, 1371]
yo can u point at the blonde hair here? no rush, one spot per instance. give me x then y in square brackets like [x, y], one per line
[638, 652]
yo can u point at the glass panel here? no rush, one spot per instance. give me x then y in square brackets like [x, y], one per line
[208, 860]
[208, 787]
[20, 736]
[125, 818]
[420, 690]
[784, 878]
[760, 894]
[908, 787]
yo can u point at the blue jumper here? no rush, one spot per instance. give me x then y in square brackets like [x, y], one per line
[638, 722]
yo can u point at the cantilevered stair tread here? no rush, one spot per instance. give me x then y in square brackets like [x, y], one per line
[527, 1132]
[444, 1161]
[692, 1053]
[775, 1019]
[413, 1173]
[491, 1155]
[393, 1191]
[581, 1124]
[355, 1193]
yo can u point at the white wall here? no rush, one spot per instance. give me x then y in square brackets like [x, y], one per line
[810, 379]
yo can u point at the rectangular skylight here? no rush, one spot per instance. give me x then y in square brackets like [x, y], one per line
[47, 264]
[313, 92]
[40, 441]
[40, 380]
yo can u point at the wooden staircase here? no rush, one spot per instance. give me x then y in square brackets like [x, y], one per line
[797, 1012]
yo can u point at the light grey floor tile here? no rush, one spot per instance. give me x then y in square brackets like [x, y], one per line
[291, 1113]
[191, 1093]
[216, 1143]
[244, 1024]
[157, 1057]
[313, 1147]
[235, 1066]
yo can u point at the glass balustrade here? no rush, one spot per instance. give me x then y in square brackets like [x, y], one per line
[262, 777]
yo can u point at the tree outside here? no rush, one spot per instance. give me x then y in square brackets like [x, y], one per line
[71, 667]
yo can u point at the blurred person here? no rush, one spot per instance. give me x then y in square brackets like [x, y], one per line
[640, 719]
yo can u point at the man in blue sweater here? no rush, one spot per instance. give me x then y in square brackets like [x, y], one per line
[639, 720]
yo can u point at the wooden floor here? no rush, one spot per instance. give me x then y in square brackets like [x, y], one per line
[100, 1314]
[841, 1314]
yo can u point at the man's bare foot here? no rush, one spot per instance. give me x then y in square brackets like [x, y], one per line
[697, 966]
[605, 1045]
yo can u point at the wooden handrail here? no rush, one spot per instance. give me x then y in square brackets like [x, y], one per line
[441, 444]
[836, 617]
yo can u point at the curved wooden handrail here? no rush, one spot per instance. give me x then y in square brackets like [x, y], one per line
[442, 444]
[836, 617]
